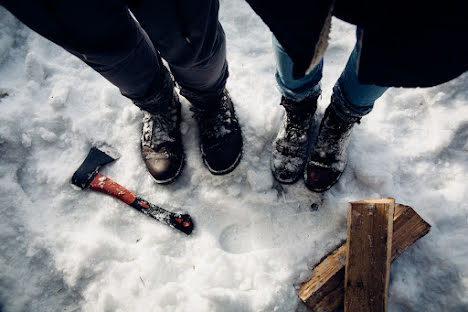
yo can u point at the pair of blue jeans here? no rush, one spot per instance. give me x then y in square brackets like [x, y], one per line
[352, 98]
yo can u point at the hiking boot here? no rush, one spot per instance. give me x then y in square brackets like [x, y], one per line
[220, 135]
[289, 153]
[329, 156]
[161, 143]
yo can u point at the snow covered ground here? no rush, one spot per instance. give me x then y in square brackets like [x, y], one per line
[62, 249]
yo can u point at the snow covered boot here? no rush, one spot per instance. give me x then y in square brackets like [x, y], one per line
[220, 135]
[290, 147]
[161, 143]
[328, 159]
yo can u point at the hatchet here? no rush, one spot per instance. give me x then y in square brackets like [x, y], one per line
[88, 176]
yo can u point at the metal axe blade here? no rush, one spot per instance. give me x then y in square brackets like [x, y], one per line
[90, 167]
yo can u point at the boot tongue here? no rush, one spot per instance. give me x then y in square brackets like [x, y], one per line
[336, 124]
[214, 122]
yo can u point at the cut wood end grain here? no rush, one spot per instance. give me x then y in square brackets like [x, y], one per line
[375, 201]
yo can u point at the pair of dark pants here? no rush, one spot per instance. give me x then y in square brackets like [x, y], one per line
[104, 34]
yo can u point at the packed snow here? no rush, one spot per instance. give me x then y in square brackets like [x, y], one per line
[255, 241]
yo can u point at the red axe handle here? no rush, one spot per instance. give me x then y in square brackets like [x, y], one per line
[103, 184]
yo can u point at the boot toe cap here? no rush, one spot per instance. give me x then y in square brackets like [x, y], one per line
[225, 158]
[320, 179]
[286, 170]
[164, 167]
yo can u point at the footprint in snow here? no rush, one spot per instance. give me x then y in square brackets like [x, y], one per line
[264, 234]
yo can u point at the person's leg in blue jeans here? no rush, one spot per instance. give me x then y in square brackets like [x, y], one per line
[299, 98]
[295, 89]
[355, 98]
[350, 101]
[352, 98]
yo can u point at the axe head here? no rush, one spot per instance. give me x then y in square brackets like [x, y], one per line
[89, 168]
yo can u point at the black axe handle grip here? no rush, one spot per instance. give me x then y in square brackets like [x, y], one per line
[181, 222]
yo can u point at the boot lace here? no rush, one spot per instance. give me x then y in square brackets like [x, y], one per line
[215, 123]
[296, 133]
[332, 140]
[158, 129]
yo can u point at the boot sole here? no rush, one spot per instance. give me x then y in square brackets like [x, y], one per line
[286, 181]
[227, 170]
[322, 190]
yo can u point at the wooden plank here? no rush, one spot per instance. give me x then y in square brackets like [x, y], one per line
[368, 252]
[324, 292]
[408, 227]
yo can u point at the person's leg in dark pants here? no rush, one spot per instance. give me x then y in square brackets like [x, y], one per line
[106, 37]
[189, 37]
[102, 34]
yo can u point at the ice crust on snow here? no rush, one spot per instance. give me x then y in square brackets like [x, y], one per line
[255, 241]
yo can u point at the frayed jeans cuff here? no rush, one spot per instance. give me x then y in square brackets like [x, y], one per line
[300, 94]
